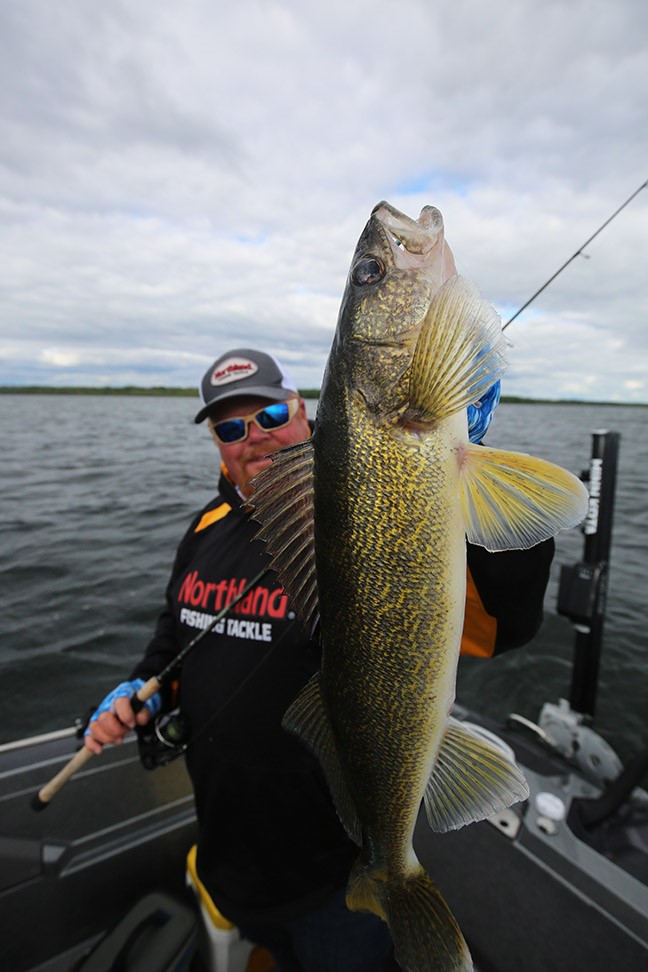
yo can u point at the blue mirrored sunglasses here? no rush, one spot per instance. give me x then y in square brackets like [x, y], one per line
[268, 419]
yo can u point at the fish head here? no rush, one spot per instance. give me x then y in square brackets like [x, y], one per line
[398, 266]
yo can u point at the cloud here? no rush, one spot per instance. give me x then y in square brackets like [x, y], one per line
[177, 179]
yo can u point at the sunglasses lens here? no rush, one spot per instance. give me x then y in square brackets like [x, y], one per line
[274, 416]
[231, 430]
[271, 417]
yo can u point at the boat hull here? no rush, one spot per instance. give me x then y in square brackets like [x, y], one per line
[112, 835]
[528, 892]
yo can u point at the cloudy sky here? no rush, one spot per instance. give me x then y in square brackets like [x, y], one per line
[178, 178]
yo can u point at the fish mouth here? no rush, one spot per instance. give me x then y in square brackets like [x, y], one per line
[413, 236]
[415, 243]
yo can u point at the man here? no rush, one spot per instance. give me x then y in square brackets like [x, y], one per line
[271, 850]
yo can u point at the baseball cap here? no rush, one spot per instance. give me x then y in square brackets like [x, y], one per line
[243, 371]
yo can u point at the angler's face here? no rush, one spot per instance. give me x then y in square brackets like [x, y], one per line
[247, 457]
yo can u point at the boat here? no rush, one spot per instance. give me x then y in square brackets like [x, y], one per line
[558, 883]
[113, 835]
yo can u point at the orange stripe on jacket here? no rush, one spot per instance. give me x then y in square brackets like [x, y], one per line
[212, 516]
[480, 628]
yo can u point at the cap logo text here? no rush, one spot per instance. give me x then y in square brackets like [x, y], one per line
[232, 369]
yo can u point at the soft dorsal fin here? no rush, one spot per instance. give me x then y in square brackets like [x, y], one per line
[307, 718]
[283, 504]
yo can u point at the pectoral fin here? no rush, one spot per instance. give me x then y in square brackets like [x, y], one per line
[459, 353]
[307, 718]
[471, 780]
[513, 501]
[283, 504]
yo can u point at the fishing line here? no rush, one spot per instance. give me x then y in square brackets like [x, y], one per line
[578, 252]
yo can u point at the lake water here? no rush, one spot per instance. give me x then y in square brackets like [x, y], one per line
[95, 493]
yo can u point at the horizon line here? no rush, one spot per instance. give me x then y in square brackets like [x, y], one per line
[188, 391]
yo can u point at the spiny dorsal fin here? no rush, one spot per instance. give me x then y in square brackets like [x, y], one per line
[283, 504]
[471, 780]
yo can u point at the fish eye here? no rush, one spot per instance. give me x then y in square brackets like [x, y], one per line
[367, 271]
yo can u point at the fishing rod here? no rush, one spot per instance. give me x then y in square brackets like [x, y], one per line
[47, 792]
[578, 252]
[174, 737]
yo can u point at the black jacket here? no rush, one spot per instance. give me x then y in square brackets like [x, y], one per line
[271, 845]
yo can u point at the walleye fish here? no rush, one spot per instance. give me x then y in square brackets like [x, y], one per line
[367, 524]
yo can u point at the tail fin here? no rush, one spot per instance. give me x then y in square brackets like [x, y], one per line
[425, 933]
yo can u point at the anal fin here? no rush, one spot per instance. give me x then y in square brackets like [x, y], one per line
[471, 780]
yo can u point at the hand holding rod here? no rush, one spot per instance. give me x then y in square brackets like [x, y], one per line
[47, 792]
[153, 685]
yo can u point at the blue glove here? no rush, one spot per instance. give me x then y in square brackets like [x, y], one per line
[481, 413]
[127, 690]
